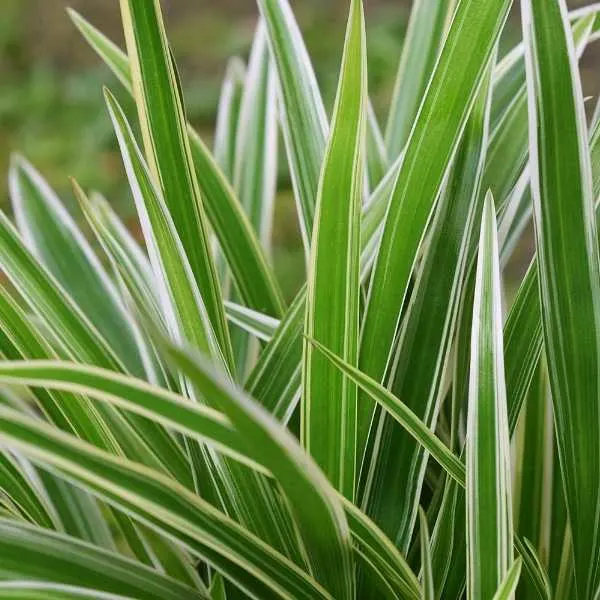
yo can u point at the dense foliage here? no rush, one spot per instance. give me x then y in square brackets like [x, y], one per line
[171, 429]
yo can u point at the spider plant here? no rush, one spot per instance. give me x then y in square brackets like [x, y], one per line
[406, 427]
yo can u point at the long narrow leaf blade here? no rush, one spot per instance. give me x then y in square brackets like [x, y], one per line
[460, 70]
[303, 118]
[35, 554]
[161, 115]
[329, 400]
[422, 44]
[254, 278]
[568, 267]
[489, 508]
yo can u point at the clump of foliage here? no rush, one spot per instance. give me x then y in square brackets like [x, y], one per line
[171, 429]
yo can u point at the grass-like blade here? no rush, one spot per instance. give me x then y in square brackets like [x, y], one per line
[506, 591]
[489, 508]
[45, 225]
[421, 47]
[30, 553]
[254, 278]
[25, 494]
[259, 325]
[157, 93]
[228, 113]
[332, 308]
[181, 298]
[457, 77]
[403, 415]
[317, 509]
[568, 267]
[423, 349]
[255, 167]
[303, 119]
[166, 506]
[426, 566]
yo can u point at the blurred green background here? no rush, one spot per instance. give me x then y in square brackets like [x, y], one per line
[51, 107]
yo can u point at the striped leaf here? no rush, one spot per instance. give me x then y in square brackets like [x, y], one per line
[568, 268]
[489, 509]
[422, 352]
[165, 506]
[420, 50]
[426, 566]
[45, 225]
[329, 399]
[255, 166]
[507, 589]
[230, 100]
[460, 70]
[254, 278]
[303, 120]
[158, 98]
[31, 553]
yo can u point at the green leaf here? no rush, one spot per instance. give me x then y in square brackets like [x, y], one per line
[394, 473]
[426, 566]
[56, 309]
[568, 267]
[55, 240]
[79, 512]
[457, 77]
[161, 115]
[255, 170]
[535, 571]
[523, 329]
[303, 119]
[75, 334]
[506, 591]
[36, 590]
[422, 44]
[317, 510]
[380, 555]
[254, 278]
[228, 113]
[31, 553]
[489, 509]
[275, 380]
[259, 325]
[329, 399]
[377, 159]
[182, 301]
[403, 415]
[255, 166]
[533, 510]
[25, 492]
[189, 321]
[164, 505]
[203, 423]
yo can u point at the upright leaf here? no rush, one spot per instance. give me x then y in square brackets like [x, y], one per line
[228, 115]
[255, 166]
[329, 401]
[253, 276]
[507, 589]
[160, 108]
[568, 268]
[393, 473]
[426, 566]
[422, 44]
[460, 70]
[303, 119]
[489, 508]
